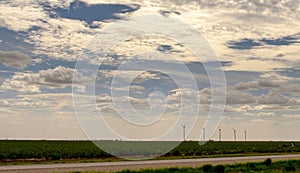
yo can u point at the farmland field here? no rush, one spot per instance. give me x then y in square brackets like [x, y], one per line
[43, 150]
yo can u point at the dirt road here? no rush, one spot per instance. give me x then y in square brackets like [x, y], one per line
[135, 165]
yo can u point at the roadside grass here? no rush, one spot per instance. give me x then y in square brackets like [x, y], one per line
[252, 167]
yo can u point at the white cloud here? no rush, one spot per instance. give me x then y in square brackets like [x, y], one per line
[59, 77]
[221, 21]
[61, 38]
[18, 82]
[14, 59]
[256, 85]
[291, 116]
[243, 109]
[137, 76]
[131, 88]
[278, 78]
[4, 103]
[234, 97]
[57, 38]
[50, 103]
[13, 13]
[175, 52]
[294, 90]
[266, 114]
[278, 99]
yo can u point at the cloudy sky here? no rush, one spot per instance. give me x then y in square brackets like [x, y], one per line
[257, 43]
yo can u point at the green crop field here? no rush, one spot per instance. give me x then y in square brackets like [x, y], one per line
[18, 150]
[217, 148]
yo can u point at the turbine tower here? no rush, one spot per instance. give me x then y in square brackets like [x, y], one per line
[183, 128]
[220, 135]
[245, 135]
[234, 134]
[204, 134]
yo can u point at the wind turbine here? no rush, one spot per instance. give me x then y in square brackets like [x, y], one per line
[234, 134]
[245, 135]
[220, 135]
[183, 128]
[204, 134]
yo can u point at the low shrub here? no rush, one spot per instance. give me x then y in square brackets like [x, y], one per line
[219, 169]
[268, 162]
[290, 168]
[207, 168]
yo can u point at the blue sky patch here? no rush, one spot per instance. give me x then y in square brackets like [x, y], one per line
[290, 72]
[48, 63]
[259, 92]
[234, 77]
[13, 41]
[89, 13]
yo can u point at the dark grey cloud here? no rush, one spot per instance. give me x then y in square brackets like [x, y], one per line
[283, 41]
[243, 44]
[14, 59]
[167, 12]
[164, 48]
[248, 43]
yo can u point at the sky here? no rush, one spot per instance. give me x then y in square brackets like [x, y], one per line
[45, 94]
